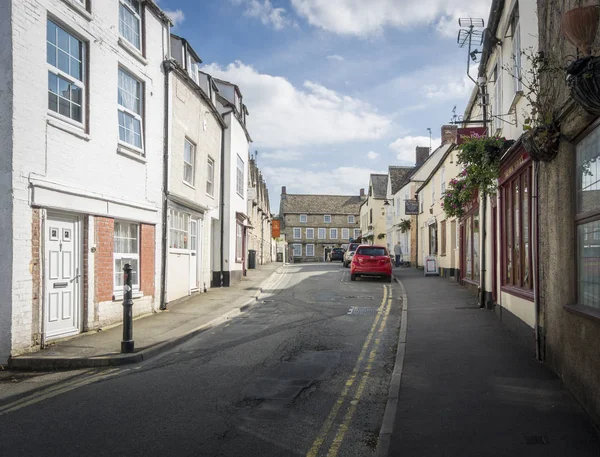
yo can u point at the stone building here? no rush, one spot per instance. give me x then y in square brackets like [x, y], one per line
[259, 213]
[568, 295]
[373, 211]
[313, 223]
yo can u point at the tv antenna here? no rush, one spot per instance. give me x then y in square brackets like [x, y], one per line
[471, 35]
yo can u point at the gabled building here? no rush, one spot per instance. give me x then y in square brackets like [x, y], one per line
[259, 213]
[373, 211]
[192, 189]
[230, 249]
[398, 178]
[81, 169]
[313, 224]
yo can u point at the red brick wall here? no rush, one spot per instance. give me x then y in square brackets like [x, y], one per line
[105, 230]
[35, 274]
[147, 247]
[84, 272]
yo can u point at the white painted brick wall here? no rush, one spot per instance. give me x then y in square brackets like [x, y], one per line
[6, 247]
[43, 151]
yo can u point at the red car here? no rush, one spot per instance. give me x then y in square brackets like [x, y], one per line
[371, 261]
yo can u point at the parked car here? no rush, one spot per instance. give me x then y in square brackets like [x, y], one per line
[349, 253]
[337, 254]
[371, 261]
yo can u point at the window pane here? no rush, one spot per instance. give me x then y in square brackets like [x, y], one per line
[509, 233]
[526, 226]
[469, 251]
[588, 264]
[588, 173]
[129, 92]
[51, 31]
[129, 25]
[51, 54]
[63, 39]
[517, 234]
[475, 247]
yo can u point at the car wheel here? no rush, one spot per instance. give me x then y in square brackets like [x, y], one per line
[352, 277]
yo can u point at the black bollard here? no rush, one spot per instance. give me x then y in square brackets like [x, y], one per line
[127, 343]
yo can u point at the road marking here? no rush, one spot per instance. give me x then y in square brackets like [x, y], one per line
[53, 392]
[343, 427]
[350, 381]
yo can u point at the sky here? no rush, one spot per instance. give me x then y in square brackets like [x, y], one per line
[336, 89]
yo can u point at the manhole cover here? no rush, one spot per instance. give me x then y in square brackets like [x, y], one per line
[361, 311]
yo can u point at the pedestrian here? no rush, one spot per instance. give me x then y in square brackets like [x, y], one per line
[398, 253]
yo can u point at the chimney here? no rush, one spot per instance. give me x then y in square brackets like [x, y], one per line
[422, 154]
[283, 190]
[449, 134]
[362, 192]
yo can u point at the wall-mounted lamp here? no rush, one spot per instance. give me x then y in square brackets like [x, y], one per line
[386, 203]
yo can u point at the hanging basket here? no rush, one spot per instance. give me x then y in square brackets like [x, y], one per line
[580, 25]
[541, 143]
[583, 79]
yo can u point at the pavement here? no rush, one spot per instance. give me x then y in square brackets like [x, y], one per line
[154, 333]
[465, 386]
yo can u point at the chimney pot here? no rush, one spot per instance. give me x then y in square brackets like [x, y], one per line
[362, 192]
[283, 190]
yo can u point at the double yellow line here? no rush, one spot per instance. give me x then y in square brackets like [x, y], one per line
[373, 336]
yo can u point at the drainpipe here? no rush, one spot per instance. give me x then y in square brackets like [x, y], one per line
[482, 88]
[167, 67]
[222, 210]
[417, 242]
[535, 261]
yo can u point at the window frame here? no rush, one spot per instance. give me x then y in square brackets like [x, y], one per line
[313, 250]
[118, 290]
[138, 15]
[432, 190]
[331, 231]
[299, 237]
[323, 231]
[347, 232]
[515, 25]
[356, 233]
[303, 216]
[179, 224]
[81, 84]
[139, 116]
[325, 221]
[351, 219]
[299, 247]
[239, 242]
[497, 107]
[513, 214]
[442, 182]
[442, 238]
[312, 233]
[191, 165]
[210, 176]
[239, 178]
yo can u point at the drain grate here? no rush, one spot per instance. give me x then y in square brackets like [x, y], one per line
[533, 439]
[362, 311]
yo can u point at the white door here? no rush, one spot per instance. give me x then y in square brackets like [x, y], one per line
[193, 254]
[62, 246]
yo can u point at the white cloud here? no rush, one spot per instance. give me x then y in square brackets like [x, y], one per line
[335, 57]
[372, 155]
[348, 180]
[176, 16]
[284, 116]
[453, 86]
[281, 155]
[266, 12]
[362, 18]
[405, 147]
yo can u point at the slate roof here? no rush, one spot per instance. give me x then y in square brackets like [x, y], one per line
[320, 204]
[399, 176]
[379, 185]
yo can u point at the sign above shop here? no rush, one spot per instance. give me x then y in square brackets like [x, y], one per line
[276, 228]
[411, 207]
[468, 132]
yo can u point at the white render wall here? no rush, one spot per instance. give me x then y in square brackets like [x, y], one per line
[193, 119]
[6, 207]
[82, 167]
[236, 143]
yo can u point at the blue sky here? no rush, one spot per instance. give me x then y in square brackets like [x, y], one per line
[336, 89]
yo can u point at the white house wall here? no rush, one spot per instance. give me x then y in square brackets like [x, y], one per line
[61, 156]
[6, 203]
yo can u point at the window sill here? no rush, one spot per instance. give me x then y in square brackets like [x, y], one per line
[118, 296]
[526, 294]
[67, 127]
[135, 53]
[515, 100]
[211, 196]
[584, 311]
[191, 186]
[179, 251]
[79, 8]
[131, 153]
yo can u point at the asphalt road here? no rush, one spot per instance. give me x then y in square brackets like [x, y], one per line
[306, 372]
